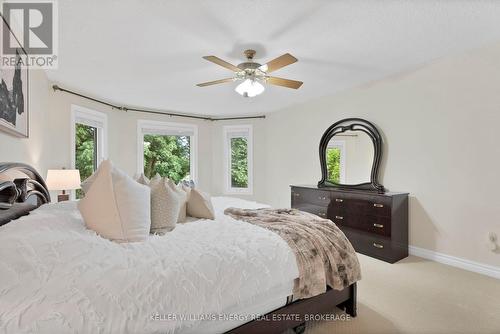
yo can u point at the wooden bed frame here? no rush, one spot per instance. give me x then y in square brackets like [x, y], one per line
[293, 315]
[22, 190]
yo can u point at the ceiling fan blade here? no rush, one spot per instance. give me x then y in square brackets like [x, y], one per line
[209, 83]
[278, 63]
[222, 63]
[284, 82]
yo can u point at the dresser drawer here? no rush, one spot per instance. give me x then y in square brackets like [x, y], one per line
[376, 246]
[314, 209]
[377, 224]
[339, 218]
[374, 224]
[316, 197]
[368, 205]
[380, 206]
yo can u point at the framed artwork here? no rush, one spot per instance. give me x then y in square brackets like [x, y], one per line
[14, 90]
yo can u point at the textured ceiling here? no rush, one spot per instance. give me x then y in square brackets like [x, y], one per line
[148, 53]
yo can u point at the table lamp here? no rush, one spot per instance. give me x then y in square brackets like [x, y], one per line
[63, 179]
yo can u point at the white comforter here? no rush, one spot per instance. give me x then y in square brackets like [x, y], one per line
[58, 277]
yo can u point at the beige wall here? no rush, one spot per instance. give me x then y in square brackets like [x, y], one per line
[122, 135]
[440, 126]
[358, 156]
[49, 143]
[31, 150]
[259, 156]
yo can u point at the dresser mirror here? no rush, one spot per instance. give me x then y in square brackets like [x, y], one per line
[350, 152]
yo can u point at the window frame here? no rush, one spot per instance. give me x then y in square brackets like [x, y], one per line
[93, 118]
[168, 129]
[340, 144]
[227, 130]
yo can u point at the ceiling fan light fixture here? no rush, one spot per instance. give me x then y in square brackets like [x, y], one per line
[254, 74]
[250, 88]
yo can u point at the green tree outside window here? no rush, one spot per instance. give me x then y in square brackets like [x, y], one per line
[85, 152]
[239, 162]
[333, 164]
[168, 156]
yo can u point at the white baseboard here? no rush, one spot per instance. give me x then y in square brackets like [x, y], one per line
[476, 267]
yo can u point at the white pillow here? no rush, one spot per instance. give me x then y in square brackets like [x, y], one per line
[88, 181]
[166, 205]
[199, 205]
[115, 206]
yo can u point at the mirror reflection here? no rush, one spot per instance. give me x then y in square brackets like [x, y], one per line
[349, 158]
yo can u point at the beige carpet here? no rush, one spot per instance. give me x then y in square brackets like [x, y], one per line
[420, 296]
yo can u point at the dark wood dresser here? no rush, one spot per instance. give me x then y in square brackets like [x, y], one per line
[375, 223]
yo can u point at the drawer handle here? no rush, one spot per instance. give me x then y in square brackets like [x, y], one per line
[339, 217]
[340, 200]
[378, 205]
[378, 225]
[378, 245]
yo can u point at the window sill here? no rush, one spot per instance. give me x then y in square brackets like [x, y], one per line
[238, 192]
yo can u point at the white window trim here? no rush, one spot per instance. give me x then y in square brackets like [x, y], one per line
[166, 129]
[340, 144]
[78, 112]
[227, 130]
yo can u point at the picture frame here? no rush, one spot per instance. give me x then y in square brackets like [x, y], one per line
[14, 90]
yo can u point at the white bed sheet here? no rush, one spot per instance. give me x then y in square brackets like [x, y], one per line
[58, 277]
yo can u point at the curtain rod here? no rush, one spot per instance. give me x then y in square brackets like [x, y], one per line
[123, 108]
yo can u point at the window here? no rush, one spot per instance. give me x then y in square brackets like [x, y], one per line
[167, 149]
[238, 159]
[335, 161]
[88, 141]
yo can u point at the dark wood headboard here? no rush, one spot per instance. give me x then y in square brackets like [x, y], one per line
[22, 189]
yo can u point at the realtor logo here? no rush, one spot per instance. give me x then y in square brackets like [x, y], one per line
[32, 27]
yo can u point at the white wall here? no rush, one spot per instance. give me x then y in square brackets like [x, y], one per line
[441, 130]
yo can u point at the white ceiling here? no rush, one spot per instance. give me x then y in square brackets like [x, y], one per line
[148, 53]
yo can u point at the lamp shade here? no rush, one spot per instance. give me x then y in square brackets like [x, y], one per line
[249, 88]
[63, 179]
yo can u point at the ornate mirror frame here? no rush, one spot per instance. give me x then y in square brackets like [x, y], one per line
[353, 124]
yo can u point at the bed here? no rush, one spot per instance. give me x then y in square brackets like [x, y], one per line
[206, 276]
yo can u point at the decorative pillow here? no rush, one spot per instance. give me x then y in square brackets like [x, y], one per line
[183, 195]
[189, 183]
[142, 179]
[166, 205]
[88, 181]
[115, 206]
[199, 205]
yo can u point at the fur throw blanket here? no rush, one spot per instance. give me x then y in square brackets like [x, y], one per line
[324, 255]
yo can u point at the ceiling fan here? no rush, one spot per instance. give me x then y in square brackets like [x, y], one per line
[253, 74]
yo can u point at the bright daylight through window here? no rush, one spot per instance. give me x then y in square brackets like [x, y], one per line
[238, 158]
[89, 134]
[167, 149]
[167, 156]
[85, 152]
